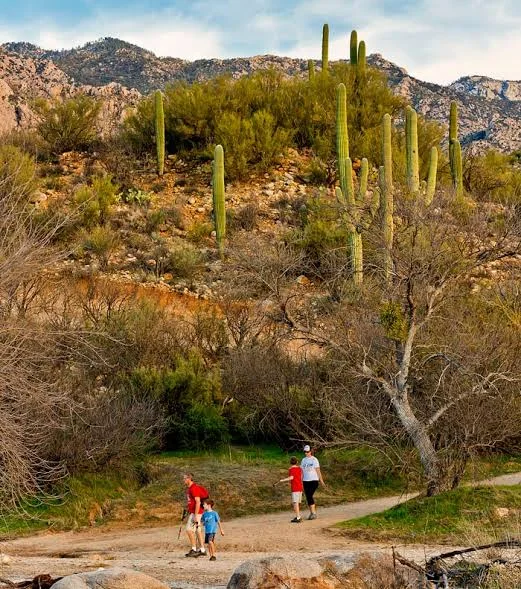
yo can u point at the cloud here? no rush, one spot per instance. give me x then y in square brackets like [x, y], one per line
[166, 34]
[436, 41]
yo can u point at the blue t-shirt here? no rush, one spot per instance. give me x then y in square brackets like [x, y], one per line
[210, 519]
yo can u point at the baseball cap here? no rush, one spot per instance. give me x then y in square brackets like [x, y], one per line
[307, 448]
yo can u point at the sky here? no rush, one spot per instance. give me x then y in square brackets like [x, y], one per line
[434, 40]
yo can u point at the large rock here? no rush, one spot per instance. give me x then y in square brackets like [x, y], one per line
[294, 572]
[113, 578]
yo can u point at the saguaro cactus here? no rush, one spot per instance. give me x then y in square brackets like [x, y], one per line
[353, 48]
[342, 137]
[430, 189]
[325, 48]
[387, 196]
[453, 133]
[457, 169]
[411, 146]
[219, 208]
[311, 69]
[356, 215]
[160, 131]
[361, 61]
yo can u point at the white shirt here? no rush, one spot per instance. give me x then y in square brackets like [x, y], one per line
[309, 467]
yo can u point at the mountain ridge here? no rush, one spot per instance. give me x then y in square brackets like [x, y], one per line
[490, 110]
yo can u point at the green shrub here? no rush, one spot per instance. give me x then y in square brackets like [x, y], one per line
[101, 241]
[190, 398]
[184, 261]
[154, 219]
[95, 201]
[70, 124]
[199, 232]
[17, 174]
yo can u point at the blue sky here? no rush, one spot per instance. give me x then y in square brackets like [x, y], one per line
[435, 40]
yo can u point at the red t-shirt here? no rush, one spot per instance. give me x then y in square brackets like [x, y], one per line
[192, 492]
[296, 482]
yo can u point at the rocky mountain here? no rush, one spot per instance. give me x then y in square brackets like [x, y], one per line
[490, 110]
[24, 78]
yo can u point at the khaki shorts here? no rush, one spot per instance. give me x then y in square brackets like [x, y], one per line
[296, 496]
[190, 523]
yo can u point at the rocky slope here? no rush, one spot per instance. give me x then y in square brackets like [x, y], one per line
[24, 78]
[490, 110]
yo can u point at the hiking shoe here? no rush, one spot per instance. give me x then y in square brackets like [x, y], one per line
[312, 516]
[191, 552]
[213, 558]
[296, 520]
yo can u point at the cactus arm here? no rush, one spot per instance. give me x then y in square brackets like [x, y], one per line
[364, 175]
[219, 198]
[159, 120]
[387, 198]
[453, 135]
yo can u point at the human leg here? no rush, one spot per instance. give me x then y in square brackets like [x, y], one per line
[190, 532]
[296, 498]
[309, 489]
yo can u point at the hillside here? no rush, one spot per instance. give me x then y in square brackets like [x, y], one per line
[490, 110]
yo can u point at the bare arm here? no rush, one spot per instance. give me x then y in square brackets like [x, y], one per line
[319, 473]
[220, 528]
[197, 509]
[290, 478]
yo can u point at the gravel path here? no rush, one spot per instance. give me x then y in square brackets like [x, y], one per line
[157, 551]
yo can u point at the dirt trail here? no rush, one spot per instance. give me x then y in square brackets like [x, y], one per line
[157, 551]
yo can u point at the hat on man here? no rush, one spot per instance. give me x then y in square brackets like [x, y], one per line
[307, 448]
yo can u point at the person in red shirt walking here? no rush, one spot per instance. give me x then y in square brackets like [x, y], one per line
[195, 497]
[295, 481]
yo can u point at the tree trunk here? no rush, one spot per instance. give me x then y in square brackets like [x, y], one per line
[422, 442]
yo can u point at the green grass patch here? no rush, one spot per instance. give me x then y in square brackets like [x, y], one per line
[465, 515]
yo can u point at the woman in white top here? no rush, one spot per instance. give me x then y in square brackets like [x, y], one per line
[311, 476]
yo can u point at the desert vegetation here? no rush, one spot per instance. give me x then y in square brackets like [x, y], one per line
[263, 259]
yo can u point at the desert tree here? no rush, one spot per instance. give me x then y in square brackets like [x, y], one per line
[419, 361]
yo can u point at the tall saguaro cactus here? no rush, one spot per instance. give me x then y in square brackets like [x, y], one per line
[219, 208]
[159, 120]
[430, 189]
[361, 60]
[387, 196]
[455, 158]
[411, 146]
[457, 175]
[311, 70]
[356, 215]
[325, 48]
[353, 48]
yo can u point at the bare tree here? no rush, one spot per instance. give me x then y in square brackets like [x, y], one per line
[420, 361]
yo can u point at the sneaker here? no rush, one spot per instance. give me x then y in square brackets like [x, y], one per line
[192, 552]
[213, 558]
[296, 520]
[200, 553]
[312, 516]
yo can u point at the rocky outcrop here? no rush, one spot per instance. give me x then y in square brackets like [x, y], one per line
[24, 79]
[114, 578]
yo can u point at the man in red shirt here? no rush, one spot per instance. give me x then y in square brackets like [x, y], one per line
[295, 481]
[195, 495]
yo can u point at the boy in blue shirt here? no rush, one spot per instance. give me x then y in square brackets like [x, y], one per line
[211, 520]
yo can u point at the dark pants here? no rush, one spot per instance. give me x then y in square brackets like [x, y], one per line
[309, 489]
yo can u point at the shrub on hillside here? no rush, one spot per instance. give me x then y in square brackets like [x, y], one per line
[70, 124]
[17, 175]
[96, 200]
[101, 241]
[256, 117]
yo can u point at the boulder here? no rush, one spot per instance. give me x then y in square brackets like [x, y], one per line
[295, 572]
[113, 578]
